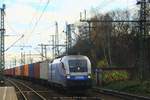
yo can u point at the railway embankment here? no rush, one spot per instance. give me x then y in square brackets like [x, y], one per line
[141, 88]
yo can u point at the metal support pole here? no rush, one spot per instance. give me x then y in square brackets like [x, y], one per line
[2, 32]
[141, 62]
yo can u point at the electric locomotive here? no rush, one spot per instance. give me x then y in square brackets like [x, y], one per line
[71, 72]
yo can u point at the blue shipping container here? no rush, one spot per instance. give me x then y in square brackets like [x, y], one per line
[21, 70]
[31, 70]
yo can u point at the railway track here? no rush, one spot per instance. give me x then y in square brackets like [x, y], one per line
[50, 94]
[54, 94]
[58, 94]
[123, 95]
[27, 93]
[22, 95]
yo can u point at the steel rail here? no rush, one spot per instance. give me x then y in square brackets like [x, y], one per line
[43, 98]
[18, 89]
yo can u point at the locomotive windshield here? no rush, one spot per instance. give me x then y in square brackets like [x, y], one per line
[78, 65]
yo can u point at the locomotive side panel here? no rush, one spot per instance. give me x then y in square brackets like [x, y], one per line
[56, 74]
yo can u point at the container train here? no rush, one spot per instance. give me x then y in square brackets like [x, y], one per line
[69, 72]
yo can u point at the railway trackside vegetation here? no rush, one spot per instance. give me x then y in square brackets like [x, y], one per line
[116, 44]
[102, 63]
[110, 44]
[111, 76]
[134, 87]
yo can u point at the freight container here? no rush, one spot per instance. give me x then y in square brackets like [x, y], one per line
[44, 70]
[16, 71]
[10, 73]
[13, 71]
[31, 70]
[37, 70]
[26, 70]
[21, 70]
[7, 71]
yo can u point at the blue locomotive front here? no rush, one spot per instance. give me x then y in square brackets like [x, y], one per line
[79, 76]
[73, 72]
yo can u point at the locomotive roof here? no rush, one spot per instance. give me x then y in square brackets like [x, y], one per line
[68, 57]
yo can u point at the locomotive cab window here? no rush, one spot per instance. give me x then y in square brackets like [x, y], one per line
[77, 65]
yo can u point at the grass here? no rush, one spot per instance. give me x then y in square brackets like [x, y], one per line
[135, 87]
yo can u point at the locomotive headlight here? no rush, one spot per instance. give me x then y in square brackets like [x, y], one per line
[89, 76]
[68, 76]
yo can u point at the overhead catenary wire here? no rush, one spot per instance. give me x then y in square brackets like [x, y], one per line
[34, 15]
[31, 21]
[11, 28]
[14, 43]
[36, 23]
[105, 3]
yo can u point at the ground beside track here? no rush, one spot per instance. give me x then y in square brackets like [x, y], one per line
[133, 87]
[56, 94]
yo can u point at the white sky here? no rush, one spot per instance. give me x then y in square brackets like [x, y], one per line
[21, 16]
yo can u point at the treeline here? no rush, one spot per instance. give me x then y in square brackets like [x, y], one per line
[112, 44]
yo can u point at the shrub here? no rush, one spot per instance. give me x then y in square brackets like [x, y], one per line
[102, 63]
[110, 76]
